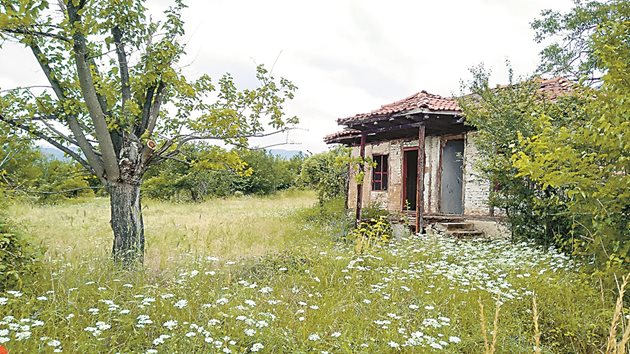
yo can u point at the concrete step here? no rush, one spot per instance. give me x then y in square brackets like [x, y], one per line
[465, 234]
[453, 226]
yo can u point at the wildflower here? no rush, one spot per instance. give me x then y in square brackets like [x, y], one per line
[250, 332]
[102, 326]
[262, 324]
[93, 311]
[14, 293]
[166, 296]
[124, 312]
[181, 303]
[4, 339]
[336, 334]
[3, 300]
[454, 339]
[250, 303]
[53, 343]
[265, 290]
[191, 334]
[160, 340]
[414, 307]
[42, 298]
[314, 337]
[23, 335]
[429, 307]
[393, 344]
[170, 324]
[256, 347]
[435, 345]
[222, 301]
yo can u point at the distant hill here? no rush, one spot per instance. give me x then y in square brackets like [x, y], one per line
[57, 154]
[53, 153]
[287, 154]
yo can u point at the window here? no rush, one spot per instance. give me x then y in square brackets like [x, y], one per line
[379, 173]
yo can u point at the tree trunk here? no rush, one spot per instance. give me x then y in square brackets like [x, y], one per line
[126, 223]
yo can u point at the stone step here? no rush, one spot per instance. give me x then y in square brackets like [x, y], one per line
[452, 226]
[465, 234]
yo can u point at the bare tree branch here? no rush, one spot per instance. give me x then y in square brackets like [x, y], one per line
[50, 140]
[31, 32]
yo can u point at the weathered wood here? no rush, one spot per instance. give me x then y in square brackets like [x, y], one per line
[360, 181]
[420, 182]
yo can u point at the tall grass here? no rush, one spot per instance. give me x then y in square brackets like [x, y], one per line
[250, 275]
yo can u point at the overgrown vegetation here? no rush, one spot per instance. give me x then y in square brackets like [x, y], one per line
[19, 258]
[201, 173]
[28, 173]
[277, 283]
[561, 167]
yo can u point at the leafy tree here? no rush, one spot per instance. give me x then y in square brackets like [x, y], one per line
[573, 51]
[260, 173]
[561, 167]
[590, 160]
[503, 116]
[117, 91]
[327, 172]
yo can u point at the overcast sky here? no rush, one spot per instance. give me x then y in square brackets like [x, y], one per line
[346, 57]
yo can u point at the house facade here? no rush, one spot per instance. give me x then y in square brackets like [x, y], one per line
[423, 156]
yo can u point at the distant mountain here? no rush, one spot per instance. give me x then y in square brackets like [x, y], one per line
[287, 154]
[57, 154]
[53, 153]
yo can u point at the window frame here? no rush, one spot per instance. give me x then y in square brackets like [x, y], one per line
[378, 172]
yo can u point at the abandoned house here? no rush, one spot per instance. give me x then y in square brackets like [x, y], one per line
[448, 187]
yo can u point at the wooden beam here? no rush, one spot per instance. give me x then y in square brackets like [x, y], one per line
[420, 182]
[371, 128]
[360, 182]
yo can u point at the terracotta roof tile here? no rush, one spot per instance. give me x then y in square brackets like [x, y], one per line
[419, 100]
[347, 133]
[550, 88]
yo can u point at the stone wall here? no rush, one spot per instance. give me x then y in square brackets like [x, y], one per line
[475, 189]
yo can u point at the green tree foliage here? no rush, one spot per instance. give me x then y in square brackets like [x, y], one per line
[503, 116]
[26, 172]
[573, 51]
[203, 171]
[589, 161]
[118, 101]
[561, 168]
[327, 172]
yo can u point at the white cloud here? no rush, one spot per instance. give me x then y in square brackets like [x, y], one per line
[346, 57]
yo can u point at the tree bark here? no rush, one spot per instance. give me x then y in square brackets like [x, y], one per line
[126, 221]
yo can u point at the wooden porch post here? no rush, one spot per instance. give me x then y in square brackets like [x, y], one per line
[357, 219]
[420, 182]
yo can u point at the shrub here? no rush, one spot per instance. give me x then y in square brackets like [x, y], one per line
[370, 233]
[18, 257]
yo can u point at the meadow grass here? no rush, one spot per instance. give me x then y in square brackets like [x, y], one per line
[249, 275]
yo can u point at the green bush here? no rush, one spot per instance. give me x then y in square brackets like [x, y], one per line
[18, 257]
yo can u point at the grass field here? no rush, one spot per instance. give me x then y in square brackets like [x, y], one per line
[249, 275]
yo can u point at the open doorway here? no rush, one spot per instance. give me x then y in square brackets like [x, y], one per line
[451, 195]
[410, 176]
